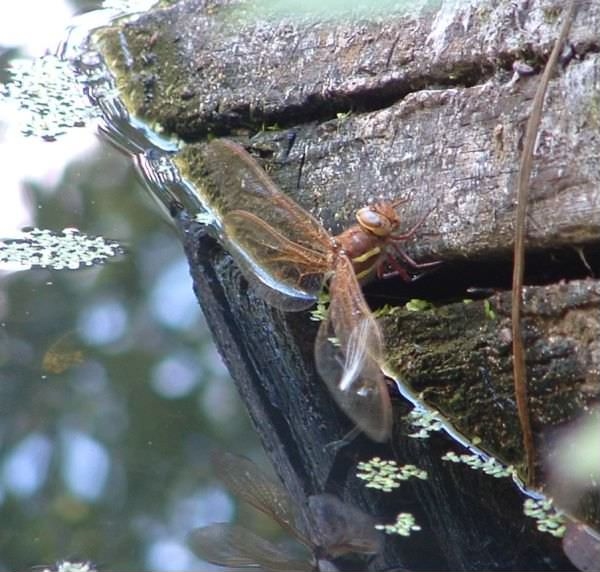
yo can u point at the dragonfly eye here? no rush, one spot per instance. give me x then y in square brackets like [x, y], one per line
[374, 221]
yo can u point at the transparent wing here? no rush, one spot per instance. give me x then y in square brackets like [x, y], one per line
[235, 546]
[350, 365]
[286, 274]
[235, 181]
[250, 484]
[282, 249]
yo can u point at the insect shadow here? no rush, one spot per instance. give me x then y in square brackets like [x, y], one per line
[328, 528]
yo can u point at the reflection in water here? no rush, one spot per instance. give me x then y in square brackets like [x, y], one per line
[575, 461]
[86, 465]
[62, 354]
[328, 527]
[582, 545]
[574, 477]
[94, 462]
[26, 466]
[103, 322]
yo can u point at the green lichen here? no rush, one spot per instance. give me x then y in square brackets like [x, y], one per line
[384, 311]
[490, 314]
[418, 305]
[551, 14]
[593, 110]
[404, 525]
[548, 519]
[387, 475]
[489, 466]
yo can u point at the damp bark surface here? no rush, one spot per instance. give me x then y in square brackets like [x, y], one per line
[422, 105]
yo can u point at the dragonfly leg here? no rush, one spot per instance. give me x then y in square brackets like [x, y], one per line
[413, 263]
[397, 270]
[411, 232]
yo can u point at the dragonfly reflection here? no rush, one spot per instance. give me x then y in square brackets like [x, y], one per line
[329, 529]
[287, 255]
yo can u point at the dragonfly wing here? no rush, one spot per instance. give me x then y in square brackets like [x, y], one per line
[250, 484]
[235, 181]
[235, 546]
[286, 274]
[350, 365]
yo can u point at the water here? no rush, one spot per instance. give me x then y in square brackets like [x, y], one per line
[112, 394]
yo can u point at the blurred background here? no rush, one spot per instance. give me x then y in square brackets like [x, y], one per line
[112, 395]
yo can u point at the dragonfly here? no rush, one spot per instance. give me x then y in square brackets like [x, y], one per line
[287, 256]
[330, 528]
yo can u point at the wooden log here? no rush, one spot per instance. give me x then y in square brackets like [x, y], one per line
[422, 105]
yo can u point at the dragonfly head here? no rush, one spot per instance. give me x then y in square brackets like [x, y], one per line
[380, 219]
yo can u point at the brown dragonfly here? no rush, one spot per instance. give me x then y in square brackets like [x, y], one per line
[328, 528]
[287, 255]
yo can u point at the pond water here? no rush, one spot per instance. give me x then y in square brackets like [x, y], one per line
[112, 394]
[113, 397]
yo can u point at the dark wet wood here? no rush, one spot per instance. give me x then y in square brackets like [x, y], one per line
[434, 116]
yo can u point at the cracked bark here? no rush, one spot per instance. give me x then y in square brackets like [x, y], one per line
[434, 116]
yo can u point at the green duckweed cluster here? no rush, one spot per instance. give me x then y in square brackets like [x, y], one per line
[387, 475]
[66, 566]
[69, 249]
[418, 305]
[425, 422]
[548, 519]
[50, 97]
[404, 525]
[489, 466]
[319, 312]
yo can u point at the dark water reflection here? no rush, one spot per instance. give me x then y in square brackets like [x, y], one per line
[112, 394]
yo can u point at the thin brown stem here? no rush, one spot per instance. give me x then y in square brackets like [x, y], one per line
[525, 167]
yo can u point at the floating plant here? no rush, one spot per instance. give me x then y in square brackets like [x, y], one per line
[50, 96]
[548, 518]
[387, 475]
[69, 249]
[426, 421]
[67, 566]
[489, 466]
[319, 312]
[404, 525]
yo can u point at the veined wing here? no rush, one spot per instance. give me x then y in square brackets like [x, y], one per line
[351, 366]
[235, 546]
[235, 181]
[250, 484]
[286, 274]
